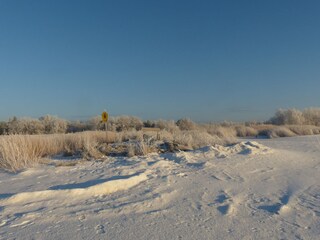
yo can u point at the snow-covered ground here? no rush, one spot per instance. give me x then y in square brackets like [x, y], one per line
[258, 189]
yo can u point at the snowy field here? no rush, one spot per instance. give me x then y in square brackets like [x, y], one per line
[257, 189]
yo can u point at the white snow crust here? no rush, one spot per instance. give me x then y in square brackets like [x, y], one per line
[261, 189]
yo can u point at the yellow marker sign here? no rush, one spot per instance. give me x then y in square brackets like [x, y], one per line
[104, 116]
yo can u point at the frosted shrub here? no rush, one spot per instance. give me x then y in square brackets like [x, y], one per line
[125, 123]
[95, 124]
[3, 128]
[312, 116]
[149, 124]
[186, 124]
[168, 125]
[89, 148]
[166, 136]
[289, 116]
[24, 126]
[15, 126]
[76, 126]
[53, 124]
[309, 116]
[131, 135]
[138, 148]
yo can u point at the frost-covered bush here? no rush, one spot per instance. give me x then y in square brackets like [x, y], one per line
[25, 126]
[32, 126]
[149, 124]
[168, 125]
[138, 148]
[131, 135]
[287, 116]
[3, 128]
[309, 116]
[186, 124]
[124, 123]
[312, 116]
[94, 124]
[53, 124]
[77, 126]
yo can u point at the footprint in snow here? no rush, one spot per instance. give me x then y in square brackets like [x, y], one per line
[275, 204]
[99, 229]
[82, 217]
[277, 208]
[223, 202]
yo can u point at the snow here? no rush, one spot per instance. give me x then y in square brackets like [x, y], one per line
[93, 191]
[261, 189]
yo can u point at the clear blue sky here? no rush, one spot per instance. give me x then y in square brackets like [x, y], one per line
[207, 60]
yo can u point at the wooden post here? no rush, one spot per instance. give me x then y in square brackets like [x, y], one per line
[105, 117]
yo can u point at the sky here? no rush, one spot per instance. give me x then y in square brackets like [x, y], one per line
[205, 60]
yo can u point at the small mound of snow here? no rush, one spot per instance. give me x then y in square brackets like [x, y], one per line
[202, 155]
[162, 164]
[96, 190]
[212, 151]
[251, 147]
[246, 148]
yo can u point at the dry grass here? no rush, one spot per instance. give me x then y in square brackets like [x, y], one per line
[21, 151]
[129, 135]
[226, 133]
[196, 138]
[245, 131]
[18, 152]
[272, 131]
[277, 132]
[304, 129]
[139, 148]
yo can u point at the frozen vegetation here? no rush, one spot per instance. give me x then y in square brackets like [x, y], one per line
[26, 142]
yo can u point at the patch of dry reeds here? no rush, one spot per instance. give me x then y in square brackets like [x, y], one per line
[21, 151]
